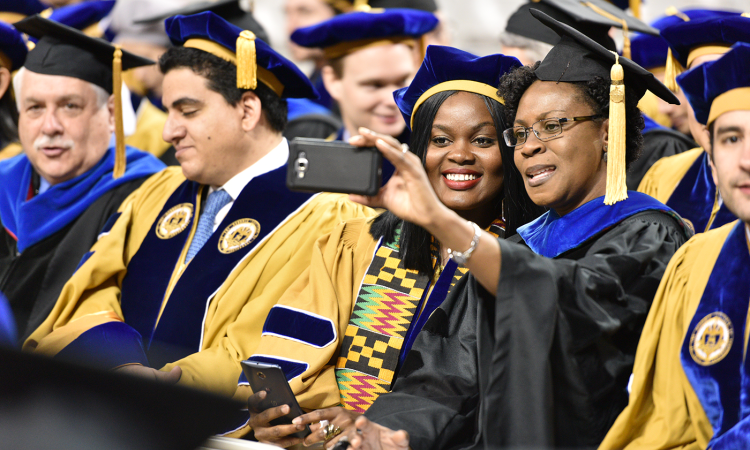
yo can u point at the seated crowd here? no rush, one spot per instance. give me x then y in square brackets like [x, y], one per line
[503, 288]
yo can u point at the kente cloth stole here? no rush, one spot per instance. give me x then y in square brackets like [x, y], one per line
[714, 349]
[384, 322]
[175, 330]
[696, 197]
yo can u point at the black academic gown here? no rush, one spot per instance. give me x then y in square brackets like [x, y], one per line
[32, 281]
[546, 362]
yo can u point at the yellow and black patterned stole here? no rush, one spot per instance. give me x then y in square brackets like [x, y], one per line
[386, 305]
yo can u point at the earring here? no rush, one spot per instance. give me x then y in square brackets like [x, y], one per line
[604, 157]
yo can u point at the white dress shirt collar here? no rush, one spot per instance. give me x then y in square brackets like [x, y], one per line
[271, 161]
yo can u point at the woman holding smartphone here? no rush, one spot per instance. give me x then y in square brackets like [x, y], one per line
[345, 327]
[536, 346]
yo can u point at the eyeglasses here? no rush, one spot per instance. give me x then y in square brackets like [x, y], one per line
[544, 129]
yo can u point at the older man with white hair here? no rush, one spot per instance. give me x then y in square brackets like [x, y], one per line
[56, 197]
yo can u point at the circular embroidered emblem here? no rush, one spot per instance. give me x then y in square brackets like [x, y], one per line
[711, 339]
[238, 234]
[174, 221]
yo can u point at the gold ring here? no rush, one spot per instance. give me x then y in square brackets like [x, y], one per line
[332, 431]
[404, 148]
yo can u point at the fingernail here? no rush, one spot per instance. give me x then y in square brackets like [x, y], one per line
[296, 420]
[285, 409]
[262, 394]
[365, 130]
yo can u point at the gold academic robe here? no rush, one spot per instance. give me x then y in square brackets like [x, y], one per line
[229, 320]
[340, 329]
[685, 183]
[664, 409]
[662, 178]
[10, 151]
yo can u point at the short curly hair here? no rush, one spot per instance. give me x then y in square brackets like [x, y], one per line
[595, 92]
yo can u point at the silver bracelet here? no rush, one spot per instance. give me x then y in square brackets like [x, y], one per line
[461, 257]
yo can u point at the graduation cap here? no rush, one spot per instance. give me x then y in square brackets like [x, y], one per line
[12, 48]
[11, 11]
[578, 58]
[719, 86]
[650, 52]
[710, 35]
[65, 51]
[79, 407]
[451, 69]
[255, 60]
[228, 10]
[593, 18]
[84, 16]
[347, 33]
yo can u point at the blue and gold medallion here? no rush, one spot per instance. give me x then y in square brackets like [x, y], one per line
[174, 221]
[239, 234]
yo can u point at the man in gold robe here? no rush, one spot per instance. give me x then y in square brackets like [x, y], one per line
[690, 388]
[181, 280]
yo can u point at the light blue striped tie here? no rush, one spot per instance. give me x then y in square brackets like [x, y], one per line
[216, 200]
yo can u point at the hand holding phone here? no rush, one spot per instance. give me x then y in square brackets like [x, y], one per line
[270, 378]
[317, 165]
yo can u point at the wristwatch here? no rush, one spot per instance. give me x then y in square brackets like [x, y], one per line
[461, 257]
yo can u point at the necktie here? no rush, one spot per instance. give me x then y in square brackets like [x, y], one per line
[216, 200]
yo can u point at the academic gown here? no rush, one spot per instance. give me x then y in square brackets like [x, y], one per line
[545, 363]
[690, 384]
[342, 329]
[135, 300]
[658, 142]
[10, 150]
[684, 183]
[33, 271]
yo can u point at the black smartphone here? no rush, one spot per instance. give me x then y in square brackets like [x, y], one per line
[270, 378]
[317, 165]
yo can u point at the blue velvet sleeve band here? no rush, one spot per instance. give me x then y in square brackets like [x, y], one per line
[106, 346]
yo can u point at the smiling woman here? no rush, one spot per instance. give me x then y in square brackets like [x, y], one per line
[535, 347]
[365, 269]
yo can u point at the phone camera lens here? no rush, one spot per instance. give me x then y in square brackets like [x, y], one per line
[261, 375]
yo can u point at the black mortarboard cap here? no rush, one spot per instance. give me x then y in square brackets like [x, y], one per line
[578, 58]
[593, 18]
[228, 10]
[62, 50]
[46, 404]
[65, 51]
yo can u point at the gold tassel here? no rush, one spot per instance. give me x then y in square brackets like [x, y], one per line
[120, 160]
[622, 22]
[625, 41]
[673, 11]
[635, 8]
[616, 187]
[247, 68]
[673, 68]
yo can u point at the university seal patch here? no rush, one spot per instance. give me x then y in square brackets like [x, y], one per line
[711, 339]
[238, 234]
[174, 221]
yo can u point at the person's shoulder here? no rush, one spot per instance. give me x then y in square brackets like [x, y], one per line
[339, 202]
[666, 173]
[701, 250]
[159, 185]
[677, 162]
